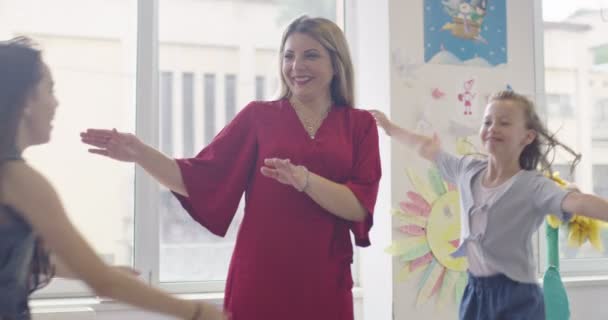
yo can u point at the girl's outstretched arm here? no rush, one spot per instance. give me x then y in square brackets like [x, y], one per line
[587, 205]
[428, 147]
[30, 194]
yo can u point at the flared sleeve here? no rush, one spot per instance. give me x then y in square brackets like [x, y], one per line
[366, 174]
[217, 177]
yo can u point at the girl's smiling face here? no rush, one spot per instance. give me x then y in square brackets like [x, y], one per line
[504, 131]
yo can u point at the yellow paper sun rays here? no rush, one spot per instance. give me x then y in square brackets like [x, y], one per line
[580, 229]
[429, 219]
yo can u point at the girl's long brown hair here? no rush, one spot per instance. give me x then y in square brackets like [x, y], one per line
[20, 73]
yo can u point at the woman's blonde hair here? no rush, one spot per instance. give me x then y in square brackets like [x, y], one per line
[331, 38]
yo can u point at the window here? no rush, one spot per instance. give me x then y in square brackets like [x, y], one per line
[577, 111]
[600, 111]
[166, 112]
[600, 54]
[209, 118]
[600, 185]
[230, 86]
[564, 171]
[559, 105]
[93, 69]
[188, 113]
[260, 88]
[220, 72]
[206, 78]
[600, 119]
[600, 188]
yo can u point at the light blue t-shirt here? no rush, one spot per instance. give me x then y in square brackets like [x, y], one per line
[513, 217]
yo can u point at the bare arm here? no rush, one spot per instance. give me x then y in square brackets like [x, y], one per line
[62, 271]
[164, 169]
[333, 197]
[428, 147]
[42, 208]
[586, 205]
[127, 147]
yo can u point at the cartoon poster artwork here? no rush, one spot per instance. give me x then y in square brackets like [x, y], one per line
[405, 67]
[437, 93]
[430, 221]
[467, 96]
[465, 32]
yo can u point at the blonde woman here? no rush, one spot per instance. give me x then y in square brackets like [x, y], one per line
[309, 166]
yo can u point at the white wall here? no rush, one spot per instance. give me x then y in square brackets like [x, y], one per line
[368, 32]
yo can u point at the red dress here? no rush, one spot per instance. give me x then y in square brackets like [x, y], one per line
[292, 258]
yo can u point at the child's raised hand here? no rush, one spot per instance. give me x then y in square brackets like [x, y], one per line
[430, 147]
[383, 122]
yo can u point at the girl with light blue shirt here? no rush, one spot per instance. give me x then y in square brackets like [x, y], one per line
[504, 198]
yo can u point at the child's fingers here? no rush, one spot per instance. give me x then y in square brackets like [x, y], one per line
[435, 138]
[377, 114]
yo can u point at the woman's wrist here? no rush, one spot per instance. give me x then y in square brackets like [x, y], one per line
[306, 182]
[139, 152]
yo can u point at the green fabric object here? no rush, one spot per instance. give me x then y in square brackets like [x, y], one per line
[436, 181]
[556, 299]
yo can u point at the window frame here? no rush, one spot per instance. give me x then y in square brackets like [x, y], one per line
[146, 233]
[209, 105]
[147, 54]
[568, 267]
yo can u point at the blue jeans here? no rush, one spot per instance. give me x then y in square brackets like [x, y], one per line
[500, 298]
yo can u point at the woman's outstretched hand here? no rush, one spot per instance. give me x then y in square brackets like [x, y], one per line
[285, 172]
[113, 144]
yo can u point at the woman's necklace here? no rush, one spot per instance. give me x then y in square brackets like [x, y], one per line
[310, 124]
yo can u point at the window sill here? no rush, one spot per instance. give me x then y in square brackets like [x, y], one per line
[101, 304]
[580, 281]
[585, 281]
